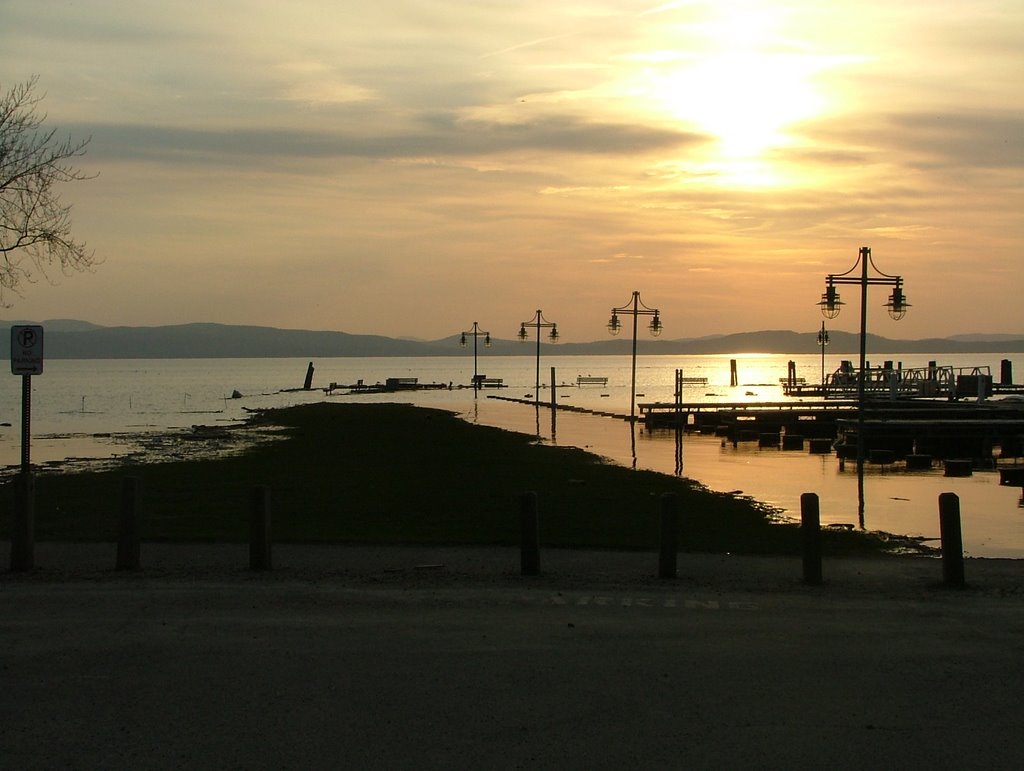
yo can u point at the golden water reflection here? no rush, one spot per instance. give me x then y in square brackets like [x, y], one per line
[896, 501]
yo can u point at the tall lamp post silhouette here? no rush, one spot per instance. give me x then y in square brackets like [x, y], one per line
[830, 305]
[538, 322]
[823, 341]
[635, 308]
[476, 332]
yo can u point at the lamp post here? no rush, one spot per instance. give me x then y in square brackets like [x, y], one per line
[475, 332]
[823, 341]
[830, 305]
[635, 308]
[538, 322]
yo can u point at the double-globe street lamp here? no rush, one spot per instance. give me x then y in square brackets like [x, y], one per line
[635, 308]
[476, 332]
[538, 322]
[823, 341]
[830, 305]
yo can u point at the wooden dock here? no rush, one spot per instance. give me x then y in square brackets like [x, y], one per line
[811, 419]
[936, 428]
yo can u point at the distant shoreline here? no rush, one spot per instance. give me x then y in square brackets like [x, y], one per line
[81, 340]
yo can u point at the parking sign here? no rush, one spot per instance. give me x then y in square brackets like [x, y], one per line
[27, 350]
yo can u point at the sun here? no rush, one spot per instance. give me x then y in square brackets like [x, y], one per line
[745, 100]
[737, 78]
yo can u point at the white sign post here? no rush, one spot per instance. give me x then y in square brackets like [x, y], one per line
[26, 360]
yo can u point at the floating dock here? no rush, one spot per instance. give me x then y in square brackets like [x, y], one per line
[936, 428]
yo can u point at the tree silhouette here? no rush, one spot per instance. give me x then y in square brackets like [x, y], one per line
[35, 227]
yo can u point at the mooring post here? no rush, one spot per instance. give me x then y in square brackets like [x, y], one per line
[810, 533]
[529, 542]
[734, 378]
[669, 546]
[307, 384]
[128, 542]
[259, 529]
[23, 536]
[952, 540]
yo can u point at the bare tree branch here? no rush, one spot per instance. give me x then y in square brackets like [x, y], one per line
[35, 226]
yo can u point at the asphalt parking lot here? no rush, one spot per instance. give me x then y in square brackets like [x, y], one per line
[392, 657]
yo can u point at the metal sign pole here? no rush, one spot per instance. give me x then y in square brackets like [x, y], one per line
[23, 539]
[26, 424]
[26, 360]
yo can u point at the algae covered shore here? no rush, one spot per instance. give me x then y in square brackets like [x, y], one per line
[394, 473]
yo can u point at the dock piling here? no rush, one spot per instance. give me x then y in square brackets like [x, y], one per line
[128, 540]
[810, 533]
[529, 542]
[259, 529]
[669, 547]
[952, 540]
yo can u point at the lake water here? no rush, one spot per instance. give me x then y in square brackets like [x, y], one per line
[74, 400]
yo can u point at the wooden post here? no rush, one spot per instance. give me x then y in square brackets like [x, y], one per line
[734, 378]
[952, 540]
[128, 542]
[23, 536]
[308, 382]
[259, 529]
[669, 546]
[529, 542]
[810, 532]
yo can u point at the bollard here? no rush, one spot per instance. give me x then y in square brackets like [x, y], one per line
[810, 531]
[128, 544]
[259, 529]
[952, 540]
[668, 546]
[23, 534]
[529, 542]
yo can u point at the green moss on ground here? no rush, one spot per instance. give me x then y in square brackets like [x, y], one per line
[392, 473]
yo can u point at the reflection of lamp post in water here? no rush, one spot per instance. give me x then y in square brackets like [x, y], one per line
[635, 308]
[830, 305]
[538, 321]
[823, 341]
[476, 332]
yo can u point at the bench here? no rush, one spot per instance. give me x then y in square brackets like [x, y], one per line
[401, 383]
[582, 380]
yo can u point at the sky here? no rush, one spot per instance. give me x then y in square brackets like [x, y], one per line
[409, 167]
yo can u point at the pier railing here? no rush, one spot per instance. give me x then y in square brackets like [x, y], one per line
[897, 383]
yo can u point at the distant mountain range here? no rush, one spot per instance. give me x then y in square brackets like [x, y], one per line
[71, 339]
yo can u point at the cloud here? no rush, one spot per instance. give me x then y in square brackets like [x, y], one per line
[436, 135]
[990, 140]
